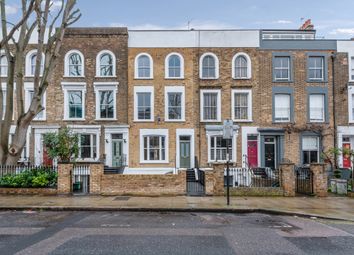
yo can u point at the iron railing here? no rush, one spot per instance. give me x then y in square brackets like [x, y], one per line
[253, 177]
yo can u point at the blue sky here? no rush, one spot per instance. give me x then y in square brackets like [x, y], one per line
[332, 18]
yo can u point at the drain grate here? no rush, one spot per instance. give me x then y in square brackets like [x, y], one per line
[122, 198]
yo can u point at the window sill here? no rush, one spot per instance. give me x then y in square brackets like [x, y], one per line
[283, 81]
[143, 78]
[106, 119]
[65, 76]
[242, 79]
[111, 76]
[182, 120]
[208, 121]
[220, 162]
[174, 78]
[317, 81]
[143, 120]
[66, 119]
[201, 78]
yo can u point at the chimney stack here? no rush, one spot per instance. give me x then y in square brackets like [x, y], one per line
[307, 25]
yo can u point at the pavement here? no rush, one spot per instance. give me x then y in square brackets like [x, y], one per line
[341, 208]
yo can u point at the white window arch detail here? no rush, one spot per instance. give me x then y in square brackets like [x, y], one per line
[167, 66]
[216, 61]
[249, 66]
[136, 67]
[31, 63]
[67, 63]
[99, 64]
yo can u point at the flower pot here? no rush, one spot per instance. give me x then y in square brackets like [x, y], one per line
[342, 187]
[333, 184]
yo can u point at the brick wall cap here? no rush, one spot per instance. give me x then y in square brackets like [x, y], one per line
[96, 31]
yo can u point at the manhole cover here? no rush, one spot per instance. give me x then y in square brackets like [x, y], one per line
[122, 198]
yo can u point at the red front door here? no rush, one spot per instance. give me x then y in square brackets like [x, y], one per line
[346, 158]
[252, 153]
[47, 161]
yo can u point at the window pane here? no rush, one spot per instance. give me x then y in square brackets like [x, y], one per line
[282, 68]
[106, 65]
[75, 104]
[85, 146]
[315, 68]
[210, 106]
[106, 104]
[144, 105]
[75, 65]
[174, 66]
[3, 65]
[241, 106]
[144, 67]
[317, 108]
[218, 148]
[175, 106]
[208, 67]
[282, 107]
[241, 67]
[310, 143]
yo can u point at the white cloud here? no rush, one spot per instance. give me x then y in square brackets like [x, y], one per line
[342, 31]
[282, 21]
[11, 9]
[196, 24]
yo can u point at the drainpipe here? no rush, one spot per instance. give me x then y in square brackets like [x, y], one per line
[335, 142]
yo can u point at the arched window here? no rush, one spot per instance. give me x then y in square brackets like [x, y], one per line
[31, 59]
[174, 66]
[74, 64]
[209, 66]
[241, 66]
[143, 66]
[106, 64]
[3, 65]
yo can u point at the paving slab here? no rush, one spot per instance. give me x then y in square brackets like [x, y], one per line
[341, 208]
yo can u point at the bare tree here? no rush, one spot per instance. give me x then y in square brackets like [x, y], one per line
[50, 23]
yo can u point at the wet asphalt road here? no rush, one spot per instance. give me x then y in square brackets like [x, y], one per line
[128, 233]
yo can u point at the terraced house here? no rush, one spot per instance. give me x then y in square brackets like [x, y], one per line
[153, 101]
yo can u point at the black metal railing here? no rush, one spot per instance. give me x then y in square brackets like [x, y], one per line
[31, 176]
[261, 177]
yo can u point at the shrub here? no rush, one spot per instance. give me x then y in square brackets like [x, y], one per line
[32, 178]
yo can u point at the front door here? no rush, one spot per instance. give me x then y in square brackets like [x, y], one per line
[185, 151]
[252, 151]
[269, 152]
[46, 160]
[346, 158]
[117, 153]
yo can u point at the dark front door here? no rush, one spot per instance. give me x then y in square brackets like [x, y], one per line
[185, 152]
[269, 152]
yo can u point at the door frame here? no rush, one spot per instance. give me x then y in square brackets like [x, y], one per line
[257, 152]
[39, 131]
[275, 148]
[122, 151]
[184, 132]
[108, 131]
[185, 142]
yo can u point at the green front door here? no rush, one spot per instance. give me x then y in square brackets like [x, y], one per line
[117, 153]
[185, 152]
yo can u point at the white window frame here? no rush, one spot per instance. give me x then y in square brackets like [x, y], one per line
[77, 86]
[98, 63]
[317, 68]
[351, 68]
[249, 104]
[154, 132]
[106, 86]
[275, 109]
[136, 67]
[218, 91]
[88, 130]
[28, 68]
[66, 64]
[216, 66]
[350, 104]
[2, 54]
[167, 66]
[142, 89]
[323, 110]
[175, 89]
[249, 66]
[283, 68]
[28, 86]
[210, 134]
[318, 145]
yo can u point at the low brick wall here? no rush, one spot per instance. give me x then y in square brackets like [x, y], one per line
[28, 191]
[144, 185]
[256, 191]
